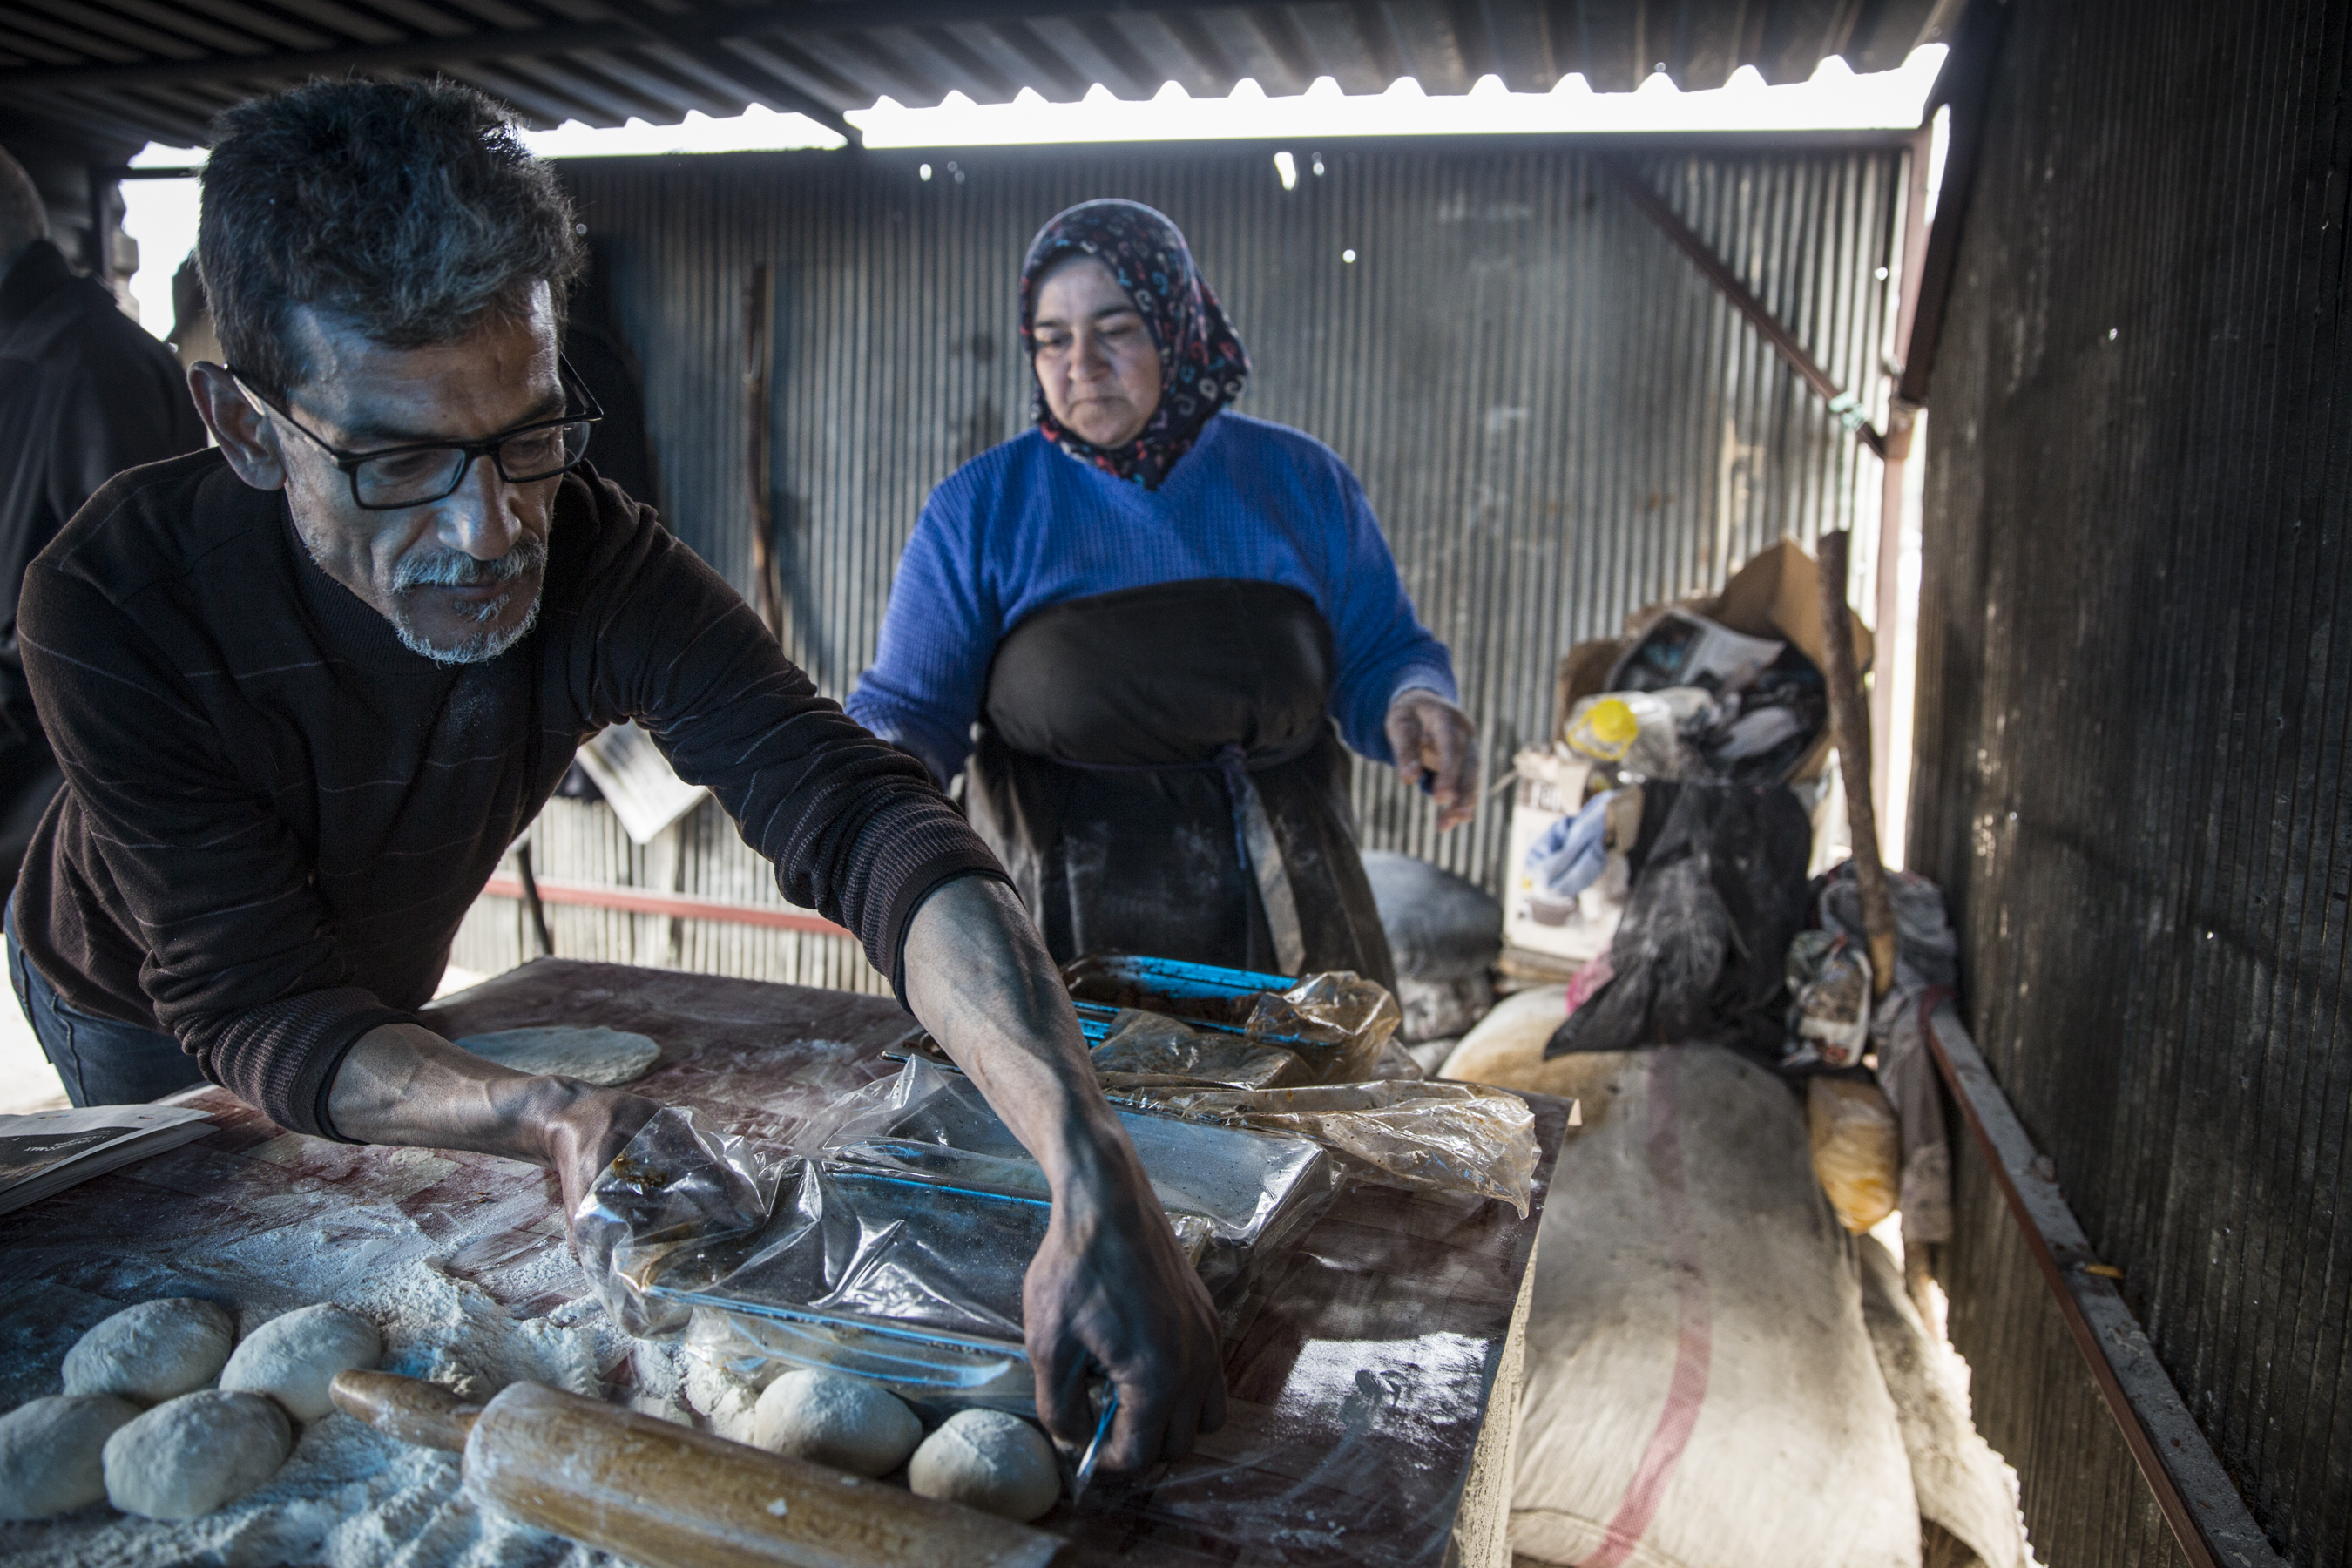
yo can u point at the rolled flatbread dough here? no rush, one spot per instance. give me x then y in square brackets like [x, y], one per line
[152, 1351]
[50, 1452]
[988, 1460]
[831, 1420]
[293, 1358]
[596, 1055]
[189, 1455]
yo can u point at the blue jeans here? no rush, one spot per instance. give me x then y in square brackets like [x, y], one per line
[103, 1062]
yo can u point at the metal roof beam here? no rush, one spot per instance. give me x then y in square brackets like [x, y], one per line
[750, 21]
[761, 85]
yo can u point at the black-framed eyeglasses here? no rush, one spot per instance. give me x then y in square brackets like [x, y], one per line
[422, 472]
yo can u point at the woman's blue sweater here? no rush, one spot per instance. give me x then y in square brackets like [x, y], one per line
[1023, 526]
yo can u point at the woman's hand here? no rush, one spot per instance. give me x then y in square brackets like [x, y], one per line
[1432, 738]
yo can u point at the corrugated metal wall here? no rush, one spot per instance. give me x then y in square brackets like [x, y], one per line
[1556, 418]
[2134, 705]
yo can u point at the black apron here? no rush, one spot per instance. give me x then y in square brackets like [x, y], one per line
[1156, 769]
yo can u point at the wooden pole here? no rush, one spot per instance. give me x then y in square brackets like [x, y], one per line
[1849, 722]
[759, 354]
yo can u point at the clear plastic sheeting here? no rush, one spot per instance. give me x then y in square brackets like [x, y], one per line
[805, 1262]
[1227, 1190]
[677, 1187]
[752, 1347]
[873, 1246]
[915, 1284]
[1442, 1137]
[893, 1239]
[1338, 1022]
[1140, 1042]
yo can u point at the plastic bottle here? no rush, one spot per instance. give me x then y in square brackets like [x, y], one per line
[1634, 733]
[1604, 729]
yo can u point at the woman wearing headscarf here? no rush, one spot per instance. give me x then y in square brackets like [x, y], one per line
[1159, 612]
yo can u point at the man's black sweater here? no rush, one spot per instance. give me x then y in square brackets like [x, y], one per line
[276, 815]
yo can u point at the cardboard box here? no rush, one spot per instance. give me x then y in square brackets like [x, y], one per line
[1775, 594]
[1550, 787]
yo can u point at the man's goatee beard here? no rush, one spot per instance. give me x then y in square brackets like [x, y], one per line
[474, 647]
[455, 569]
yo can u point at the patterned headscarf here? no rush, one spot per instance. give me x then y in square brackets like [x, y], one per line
[1202, 363]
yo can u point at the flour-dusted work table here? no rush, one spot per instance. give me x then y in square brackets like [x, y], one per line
[1373, 1380]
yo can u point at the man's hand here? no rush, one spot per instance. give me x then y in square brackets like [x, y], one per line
[405, 1084]
[1109, 1293]
[1434, 738]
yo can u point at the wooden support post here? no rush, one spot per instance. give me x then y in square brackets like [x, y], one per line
[532, 906]
[1849, 722]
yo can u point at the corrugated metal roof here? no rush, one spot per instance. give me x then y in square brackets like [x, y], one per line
[161, 68]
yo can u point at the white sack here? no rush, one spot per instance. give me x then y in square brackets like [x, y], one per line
[1701, 1391]
[1961, 1483]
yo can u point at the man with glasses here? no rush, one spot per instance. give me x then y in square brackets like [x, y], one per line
[306, 689]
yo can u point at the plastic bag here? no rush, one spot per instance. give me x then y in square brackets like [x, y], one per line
[676, 1187]
[1336, 1022]
[1719, 890]
[1856, 1143]
[1142, 1042]
[1830, 1010]
[1245, 1189]
[1442, 1137]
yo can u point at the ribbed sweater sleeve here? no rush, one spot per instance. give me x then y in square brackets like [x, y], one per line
[1382, 645]
[239, 961]
[275, 817]
[855, 827]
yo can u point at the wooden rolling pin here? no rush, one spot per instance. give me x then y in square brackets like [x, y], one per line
[666, 1496]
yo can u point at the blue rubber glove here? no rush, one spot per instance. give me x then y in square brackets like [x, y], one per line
[1571, 854]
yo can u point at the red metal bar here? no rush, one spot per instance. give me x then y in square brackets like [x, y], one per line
[640, 901]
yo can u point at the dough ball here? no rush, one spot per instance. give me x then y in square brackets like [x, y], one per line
[988, 1460]
[828, 1419]
[596, 1055]
[293, 1358]
[155, 1350]
[50, 1452]
[188, 1457]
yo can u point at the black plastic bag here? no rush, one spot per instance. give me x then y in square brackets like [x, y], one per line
[1719, 890]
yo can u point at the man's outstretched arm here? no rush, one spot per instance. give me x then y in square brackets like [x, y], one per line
[1110, 1290]
[402, 1083]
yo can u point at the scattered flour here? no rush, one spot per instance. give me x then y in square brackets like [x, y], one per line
[348, 1497]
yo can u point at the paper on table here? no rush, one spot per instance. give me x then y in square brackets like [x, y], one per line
[47, 1151]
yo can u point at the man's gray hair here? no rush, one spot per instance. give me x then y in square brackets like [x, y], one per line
[22, 217]
[409, 210]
